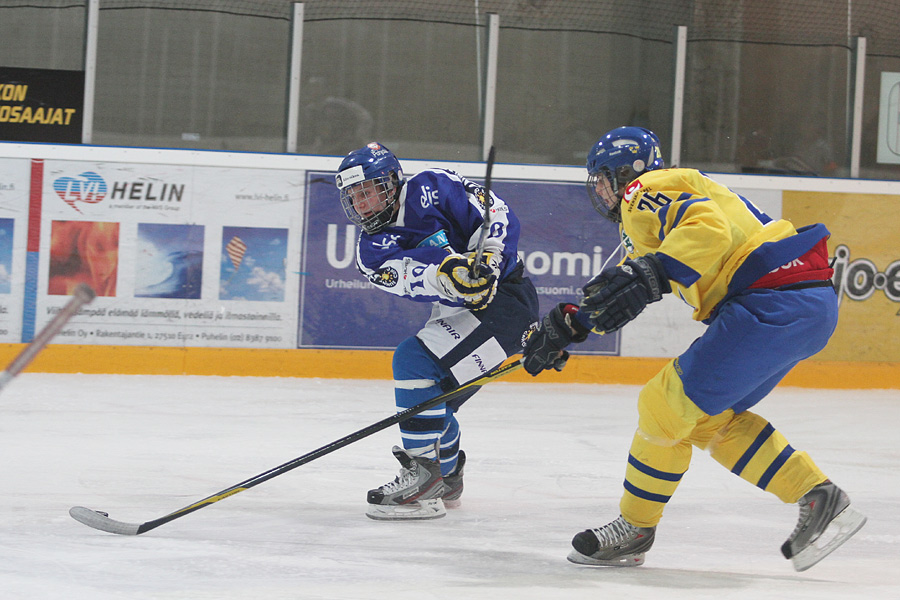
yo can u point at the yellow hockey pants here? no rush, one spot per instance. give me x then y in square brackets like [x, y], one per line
[670, 424]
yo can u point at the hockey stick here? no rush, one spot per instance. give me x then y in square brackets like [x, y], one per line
[82, 295]
[486, 223]
[100, 520]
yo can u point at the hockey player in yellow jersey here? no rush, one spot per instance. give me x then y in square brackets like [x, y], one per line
[764, 290]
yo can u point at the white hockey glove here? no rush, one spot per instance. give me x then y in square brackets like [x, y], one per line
[457, 279]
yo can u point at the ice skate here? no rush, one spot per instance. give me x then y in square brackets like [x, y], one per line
[826, 522]
[453, 483]
[618, 544]
[415, 494]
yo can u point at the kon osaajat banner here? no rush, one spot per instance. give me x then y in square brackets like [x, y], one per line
[41, 105]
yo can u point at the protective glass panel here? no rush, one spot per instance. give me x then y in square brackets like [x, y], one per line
[42, 34]
[191, 79]
[559, 91]
[766, 108]
[412, 86]
[881, 119]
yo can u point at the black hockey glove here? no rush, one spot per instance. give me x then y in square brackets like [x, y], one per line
[618, 295]
[545, 346]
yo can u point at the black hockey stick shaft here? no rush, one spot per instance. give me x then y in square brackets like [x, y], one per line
[486, 223]
[102, 522]
[82, 295]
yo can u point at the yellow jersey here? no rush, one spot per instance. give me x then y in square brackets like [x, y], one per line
[712, 242]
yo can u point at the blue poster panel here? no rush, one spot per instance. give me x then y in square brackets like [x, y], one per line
[7, 226]
[339, 308]
[15, 174]
[563, 243]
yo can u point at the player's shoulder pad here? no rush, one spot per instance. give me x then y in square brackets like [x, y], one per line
[434, 177]
[431, 186]
[665, 177]
[420, 194]
[664, 180]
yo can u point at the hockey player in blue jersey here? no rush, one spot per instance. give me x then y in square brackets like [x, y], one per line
[764, 290]
[418, 241]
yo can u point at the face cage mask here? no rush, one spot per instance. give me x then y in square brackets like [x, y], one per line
[613, 214]
[385, 189]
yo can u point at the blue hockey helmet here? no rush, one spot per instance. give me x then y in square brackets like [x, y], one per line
[617, 159]
[370, 180]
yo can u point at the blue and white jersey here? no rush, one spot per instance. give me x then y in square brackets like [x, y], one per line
[440, 213]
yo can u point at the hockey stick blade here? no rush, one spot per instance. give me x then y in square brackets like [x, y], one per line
[82, 295]
[101, 521]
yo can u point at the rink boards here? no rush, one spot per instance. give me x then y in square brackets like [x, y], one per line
[242, 264]
[376, 364]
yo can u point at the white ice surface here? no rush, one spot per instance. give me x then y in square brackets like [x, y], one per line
[545, 461]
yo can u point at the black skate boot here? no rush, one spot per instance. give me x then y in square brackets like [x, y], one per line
[618, 544]
[453, 483]
[826, 521]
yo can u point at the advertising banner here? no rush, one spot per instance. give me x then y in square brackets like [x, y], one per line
[14, 185]
[866, 256]
[178, 255]
[41, 105]
[563, 243]
[339, 308]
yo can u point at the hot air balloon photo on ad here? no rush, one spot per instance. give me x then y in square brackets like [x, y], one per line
[253, 264]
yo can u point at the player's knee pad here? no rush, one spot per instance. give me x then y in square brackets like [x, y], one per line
[412, 362]
[660, 451]
[655, 468]
[666, 414]
[417, 379]
[416, 370]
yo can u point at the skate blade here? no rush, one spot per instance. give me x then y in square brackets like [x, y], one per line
[629, 560]
[414, 511]
[841, 529]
